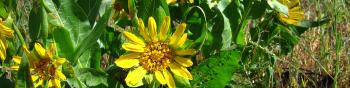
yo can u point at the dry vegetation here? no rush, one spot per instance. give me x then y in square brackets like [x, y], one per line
[313, 61]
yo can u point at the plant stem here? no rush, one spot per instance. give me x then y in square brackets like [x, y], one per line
[19, 35]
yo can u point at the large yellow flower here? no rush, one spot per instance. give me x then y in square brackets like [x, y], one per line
[156, 54]
[295, 13]
[5, 32]
[44, 66]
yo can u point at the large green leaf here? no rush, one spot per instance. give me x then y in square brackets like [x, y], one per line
[216, 71]
[92, 37]
[74, 20]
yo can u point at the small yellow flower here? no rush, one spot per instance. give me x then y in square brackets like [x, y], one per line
[156, 54]
[44, 66]
[5, 32]
[295, 13]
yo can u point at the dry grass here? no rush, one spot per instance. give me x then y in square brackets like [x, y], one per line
[313, 61]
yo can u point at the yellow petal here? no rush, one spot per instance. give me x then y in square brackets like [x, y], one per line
[52, 50]
[133, 38]
[152, 27]
[59, 61]
[191, 1]
[186, 62]
[169, 79]
[164, 28]
[292, 3]
[185, 52]
[160, 77]
[51, 84]
[40, 82]
[30, 56]
[177, 34]
[180, 71]
[297, 8]
[60, 75]
[170, 1]
[40, 50]
[58, 83]
[5, 31]
[17, 59]
[15, 67]
[133, 47]
[3, 47]
[142, 30]
[34, 77]
[128, 60]
[181, 41]
[55, 83]
[134, 77]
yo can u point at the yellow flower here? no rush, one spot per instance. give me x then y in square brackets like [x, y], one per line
[295, 13]
[44, 66]
[156, 54]
[5, 32]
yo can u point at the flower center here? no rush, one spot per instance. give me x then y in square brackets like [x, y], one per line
[41, 67]
[157, 56]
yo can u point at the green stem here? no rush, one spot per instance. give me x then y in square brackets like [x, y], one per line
[19, 35]
[337, 45]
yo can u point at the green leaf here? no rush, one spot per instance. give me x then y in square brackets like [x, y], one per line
[148, 8]
[63, 41]
[276, 5]
[289, 39]
[44, 26]
[159, 16]
[95, 57]
[258, 8]
[216, 71]
[241, 38]
[74, 20]
[3, 12]
[235, 13]
[91, 9]
[34, 23]
[92, 77]
[221, 31]
[75, 83]
[182, 82]
[309, 24]
[91, 39]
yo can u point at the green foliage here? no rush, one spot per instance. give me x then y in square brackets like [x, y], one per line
[216, 72]
[235, 39]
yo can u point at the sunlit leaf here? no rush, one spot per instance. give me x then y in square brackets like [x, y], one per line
[217, 70]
